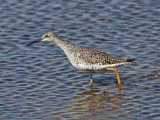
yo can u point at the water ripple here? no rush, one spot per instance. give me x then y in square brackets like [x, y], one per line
[38, 82]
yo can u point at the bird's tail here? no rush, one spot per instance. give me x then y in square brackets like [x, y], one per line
[130, 60]
[126, 62]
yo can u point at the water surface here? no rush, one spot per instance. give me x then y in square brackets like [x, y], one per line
[38, 82]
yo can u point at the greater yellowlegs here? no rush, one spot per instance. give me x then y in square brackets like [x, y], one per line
[86, 59]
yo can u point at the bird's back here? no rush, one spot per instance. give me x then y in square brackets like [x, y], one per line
[91, 60]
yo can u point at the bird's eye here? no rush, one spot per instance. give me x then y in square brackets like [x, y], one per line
[46, 35]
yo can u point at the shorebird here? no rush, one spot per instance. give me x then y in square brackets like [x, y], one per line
[86, 59]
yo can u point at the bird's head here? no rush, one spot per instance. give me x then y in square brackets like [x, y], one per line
[48, 36]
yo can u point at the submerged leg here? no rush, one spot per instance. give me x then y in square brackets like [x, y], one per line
[115, 70]
[91, 79]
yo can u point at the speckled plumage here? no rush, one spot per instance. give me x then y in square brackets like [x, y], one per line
[83, 58]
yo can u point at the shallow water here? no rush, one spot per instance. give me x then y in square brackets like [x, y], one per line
[38, 82]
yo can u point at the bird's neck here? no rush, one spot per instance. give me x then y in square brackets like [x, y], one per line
[61, 43]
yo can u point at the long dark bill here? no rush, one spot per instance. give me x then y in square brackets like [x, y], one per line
[33, 42]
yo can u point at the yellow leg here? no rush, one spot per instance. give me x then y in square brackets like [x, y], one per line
[91, 82]
[115, 70]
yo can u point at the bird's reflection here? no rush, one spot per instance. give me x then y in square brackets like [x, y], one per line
[96, 91]
[97, 100]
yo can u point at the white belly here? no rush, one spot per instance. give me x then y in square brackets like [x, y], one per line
[88, 67]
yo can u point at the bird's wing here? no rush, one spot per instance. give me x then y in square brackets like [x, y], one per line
[97, 57]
